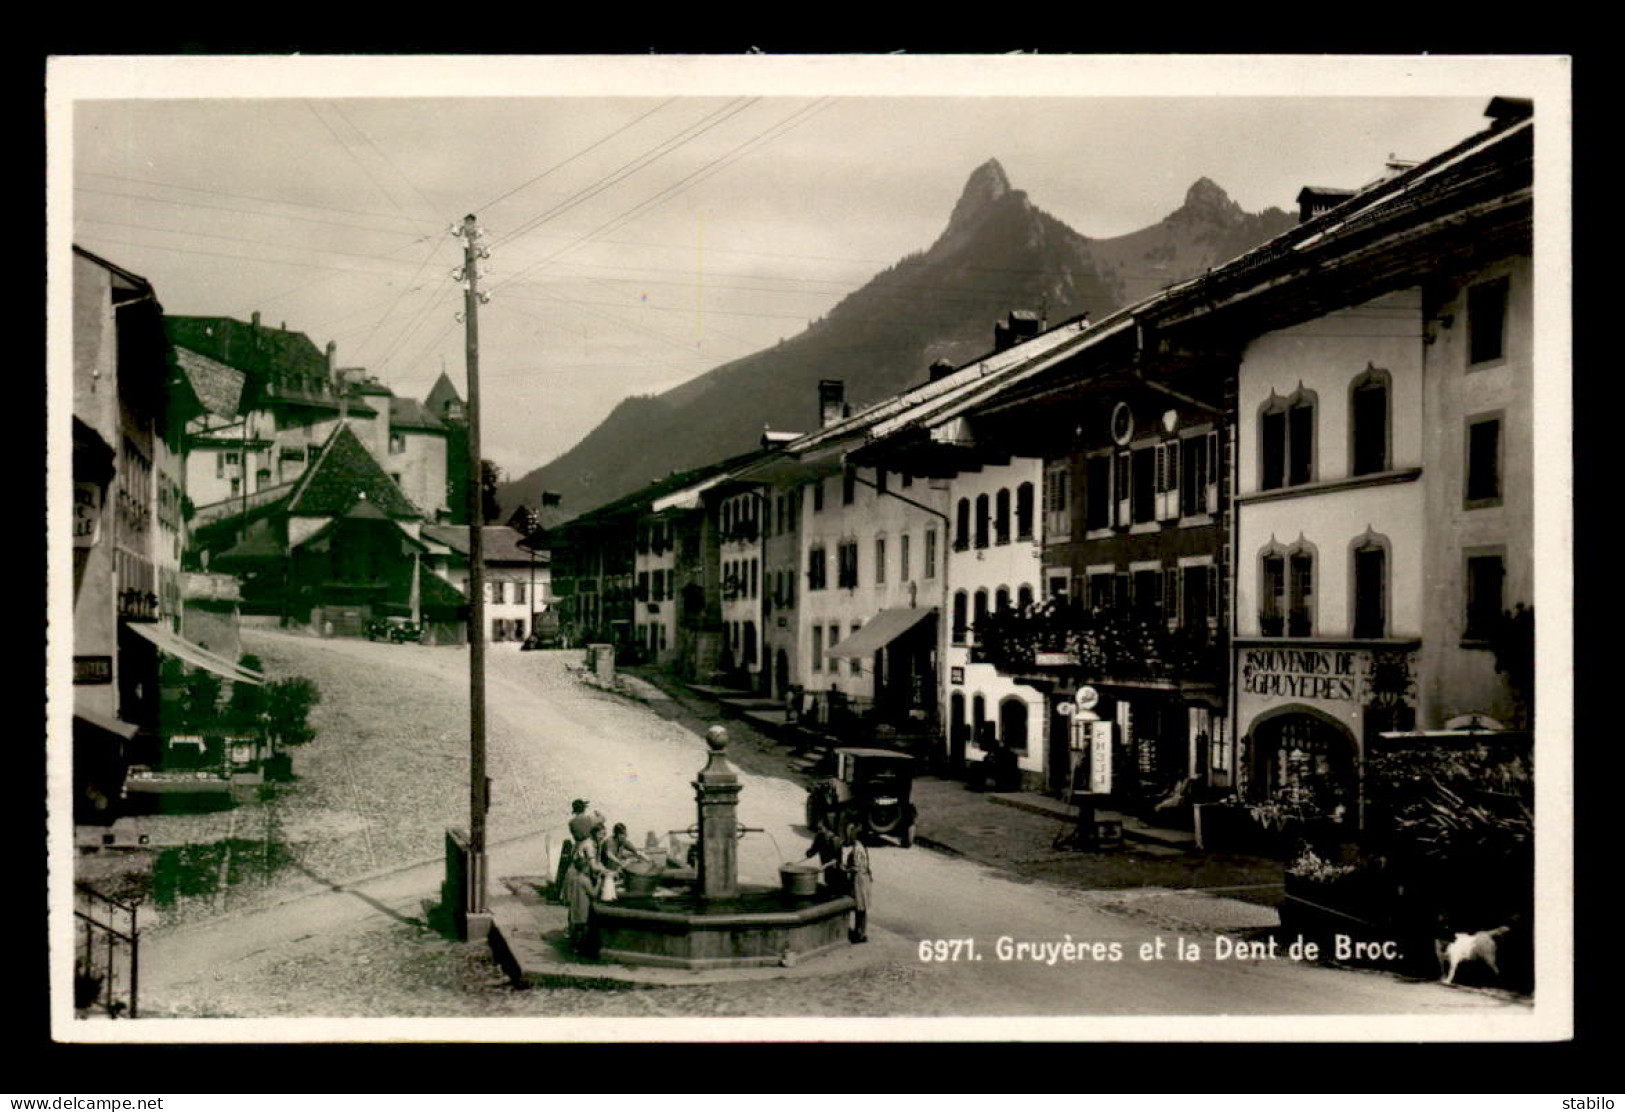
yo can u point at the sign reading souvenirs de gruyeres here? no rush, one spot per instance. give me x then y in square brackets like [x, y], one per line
[1330, 674]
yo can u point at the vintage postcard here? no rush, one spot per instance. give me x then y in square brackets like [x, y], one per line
[857, 548]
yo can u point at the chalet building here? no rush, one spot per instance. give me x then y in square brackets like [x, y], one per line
[516, 578]
[334, 551]
[129, 405]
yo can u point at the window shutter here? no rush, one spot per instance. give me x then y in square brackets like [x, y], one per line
[1170, 595]
[1160, 469]
[1212, 477]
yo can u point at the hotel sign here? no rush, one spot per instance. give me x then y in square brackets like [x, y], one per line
[92, 669]
[1325, 674]
[87, 514]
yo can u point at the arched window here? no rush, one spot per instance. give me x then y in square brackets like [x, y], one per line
[961, 616]
[1272, 591]
[978, 610]
[1001, 600]
[1368, 580]
[1286, 432]
[749, 653]
[958, 727]
[1001, 517]
[1024, 597]
[1300, 590]
[981, 728]
[1024, 512]
[962, 525]
[982, 516]
[1369, 422]
[1013, 723]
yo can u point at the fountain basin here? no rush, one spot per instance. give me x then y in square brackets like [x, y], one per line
[760, 926]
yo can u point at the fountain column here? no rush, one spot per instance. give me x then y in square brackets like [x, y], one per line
[717, 793]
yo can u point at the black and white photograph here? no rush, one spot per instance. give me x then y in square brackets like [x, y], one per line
[836, 548]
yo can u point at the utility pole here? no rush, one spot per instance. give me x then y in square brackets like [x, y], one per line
[478, 785]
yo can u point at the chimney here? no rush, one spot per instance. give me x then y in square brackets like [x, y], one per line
[1021, 324]
[942, 368]
[831, 401]
[1314, 200]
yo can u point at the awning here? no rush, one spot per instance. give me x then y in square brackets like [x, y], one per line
[115, 726]
[881, 630]
[196, 655]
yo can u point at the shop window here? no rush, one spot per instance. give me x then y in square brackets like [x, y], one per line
[1370, 579]
[1368, 422]
[1001, 517]
[983, 518]
[1485, 584]
[1486, 321]
[961, 617]
[1024, 512]
[1013, 723]
[962, 525]
[1483, 485]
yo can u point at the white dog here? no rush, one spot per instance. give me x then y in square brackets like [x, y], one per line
[1465, 947]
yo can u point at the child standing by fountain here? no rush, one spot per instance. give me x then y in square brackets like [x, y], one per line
[855, 864]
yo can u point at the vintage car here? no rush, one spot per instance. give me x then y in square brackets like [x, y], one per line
[394, 630]
[871, 787]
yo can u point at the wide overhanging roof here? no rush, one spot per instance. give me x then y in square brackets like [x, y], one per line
[884, 628]
[196, 655]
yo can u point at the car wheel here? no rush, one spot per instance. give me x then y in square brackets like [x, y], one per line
[885, 819]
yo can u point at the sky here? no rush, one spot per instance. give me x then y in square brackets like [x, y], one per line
[649, 219]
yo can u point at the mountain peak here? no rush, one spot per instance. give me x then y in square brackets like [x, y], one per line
[987, 184]
[1206, 200]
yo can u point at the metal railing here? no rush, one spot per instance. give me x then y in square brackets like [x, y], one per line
[96, 960]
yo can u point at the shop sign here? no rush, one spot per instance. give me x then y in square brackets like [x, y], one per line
[92, 669]
[1325, 674]
[1055, 660]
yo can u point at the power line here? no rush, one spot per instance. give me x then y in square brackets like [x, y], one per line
[559, 165]
[627, 169]
[251, 197]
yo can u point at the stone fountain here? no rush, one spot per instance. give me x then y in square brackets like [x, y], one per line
[710, 920]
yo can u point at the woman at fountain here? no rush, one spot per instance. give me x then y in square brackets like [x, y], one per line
[855, 864]
[587, 871]
[619, 852]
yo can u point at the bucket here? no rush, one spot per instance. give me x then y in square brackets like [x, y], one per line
[642, 877]
[798, 879]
